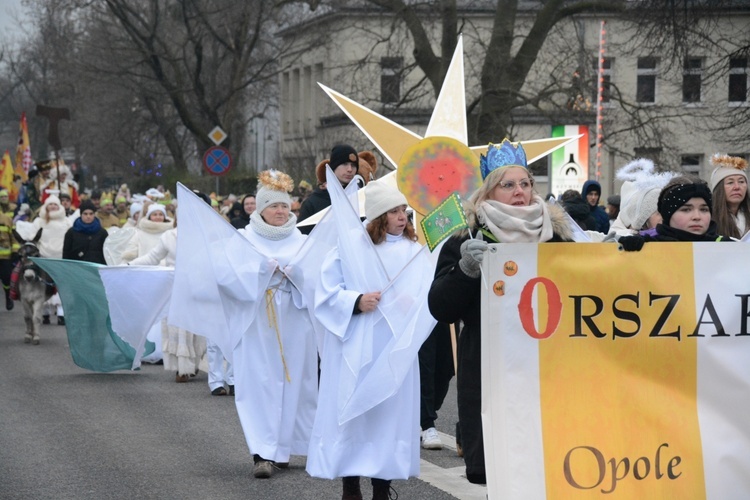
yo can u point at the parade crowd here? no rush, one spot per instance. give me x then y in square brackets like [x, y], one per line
[360, 399]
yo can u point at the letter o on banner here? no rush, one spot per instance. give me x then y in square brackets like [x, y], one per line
[526, 310]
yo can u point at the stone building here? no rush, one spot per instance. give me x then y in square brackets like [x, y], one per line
[677, 110]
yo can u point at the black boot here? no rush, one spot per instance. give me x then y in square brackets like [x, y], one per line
[381, 489]
[61, 320]
[351, 488]
[45, 319]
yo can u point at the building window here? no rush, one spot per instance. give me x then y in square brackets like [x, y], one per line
[646, 79]
[738, 79]
[692, 70]
[606, 82]
[691, 164]
[390, 79]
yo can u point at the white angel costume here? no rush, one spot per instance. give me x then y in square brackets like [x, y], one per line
[232, 287]
[367, 422]
[275, 361]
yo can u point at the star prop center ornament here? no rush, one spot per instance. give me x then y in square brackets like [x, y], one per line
[438, 152]
[433, 169]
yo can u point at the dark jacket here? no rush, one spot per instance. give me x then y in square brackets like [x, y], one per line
[82, 246]
[317, 201]
[455, 297]
[241, 221]
[580, 212]
[667, 233]
[599, 214]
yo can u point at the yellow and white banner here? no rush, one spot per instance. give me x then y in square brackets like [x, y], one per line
[616, 374]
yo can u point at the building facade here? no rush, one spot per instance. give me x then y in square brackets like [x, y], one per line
[675, 108]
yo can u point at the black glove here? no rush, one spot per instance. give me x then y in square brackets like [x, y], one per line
[632, 243]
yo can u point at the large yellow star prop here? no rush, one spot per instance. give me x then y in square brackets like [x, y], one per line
[447, 126]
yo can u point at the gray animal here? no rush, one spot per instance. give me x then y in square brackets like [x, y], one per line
[34, 287]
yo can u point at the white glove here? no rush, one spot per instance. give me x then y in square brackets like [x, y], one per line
[472, 254]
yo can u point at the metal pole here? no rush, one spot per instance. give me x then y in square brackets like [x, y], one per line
[599, 106]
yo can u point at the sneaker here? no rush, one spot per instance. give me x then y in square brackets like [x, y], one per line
[431, 440]
[262, 469]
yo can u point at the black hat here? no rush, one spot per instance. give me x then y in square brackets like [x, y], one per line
[343, 153]
[87, 205]
[64, 195]
[202, 196]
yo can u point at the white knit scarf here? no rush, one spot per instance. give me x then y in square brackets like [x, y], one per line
[270, 232]
[512, 224]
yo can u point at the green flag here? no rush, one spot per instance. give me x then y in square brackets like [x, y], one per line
[93, 344]
[446, 219]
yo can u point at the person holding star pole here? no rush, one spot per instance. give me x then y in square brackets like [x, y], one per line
[505, 209]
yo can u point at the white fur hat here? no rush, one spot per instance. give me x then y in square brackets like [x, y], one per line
[156, 207]
[51, 199]
[379, 198]
[640, 191]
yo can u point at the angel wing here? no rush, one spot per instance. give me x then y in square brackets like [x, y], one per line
[219, 277]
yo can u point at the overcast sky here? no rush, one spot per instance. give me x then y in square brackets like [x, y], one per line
[9, 11]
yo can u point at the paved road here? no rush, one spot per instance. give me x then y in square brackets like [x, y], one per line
[67, 433]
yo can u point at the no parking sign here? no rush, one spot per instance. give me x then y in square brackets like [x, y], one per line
[217, 160]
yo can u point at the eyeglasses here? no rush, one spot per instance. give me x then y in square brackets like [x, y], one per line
[525, 185]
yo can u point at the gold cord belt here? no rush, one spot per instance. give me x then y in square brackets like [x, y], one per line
[272, 321]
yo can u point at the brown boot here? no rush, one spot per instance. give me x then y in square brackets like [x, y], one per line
[351, 488]
[381, 489]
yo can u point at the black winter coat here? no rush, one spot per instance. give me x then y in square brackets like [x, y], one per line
[82, 246]
[455, 297]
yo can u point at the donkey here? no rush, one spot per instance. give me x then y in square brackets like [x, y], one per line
[34, 287]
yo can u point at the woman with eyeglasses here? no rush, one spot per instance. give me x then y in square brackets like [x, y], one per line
[505, 209]
[731, 207]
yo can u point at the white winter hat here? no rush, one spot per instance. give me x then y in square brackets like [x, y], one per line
[639, 193]
[156, 207]
[155, 193]
[379, 198]
[725, 166]
[135, 208]
[275, 187]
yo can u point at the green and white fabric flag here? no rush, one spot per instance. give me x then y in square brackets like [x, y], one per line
[447, 218]
[93, 344]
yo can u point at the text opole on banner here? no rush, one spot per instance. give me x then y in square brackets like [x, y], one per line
[616, 374]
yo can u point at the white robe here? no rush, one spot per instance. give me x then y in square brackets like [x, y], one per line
[381, 440]
[277, 413]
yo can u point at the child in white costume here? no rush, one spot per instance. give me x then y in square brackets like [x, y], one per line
[368, 407]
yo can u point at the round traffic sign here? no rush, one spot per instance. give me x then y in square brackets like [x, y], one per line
[217, 160]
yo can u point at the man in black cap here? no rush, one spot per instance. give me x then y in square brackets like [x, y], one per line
[344, 162]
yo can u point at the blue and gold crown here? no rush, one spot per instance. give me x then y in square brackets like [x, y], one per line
[503, 155]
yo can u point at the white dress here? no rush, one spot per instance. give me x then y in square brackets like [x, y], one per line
[382, 441]
[277, 412]
[181, 350]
